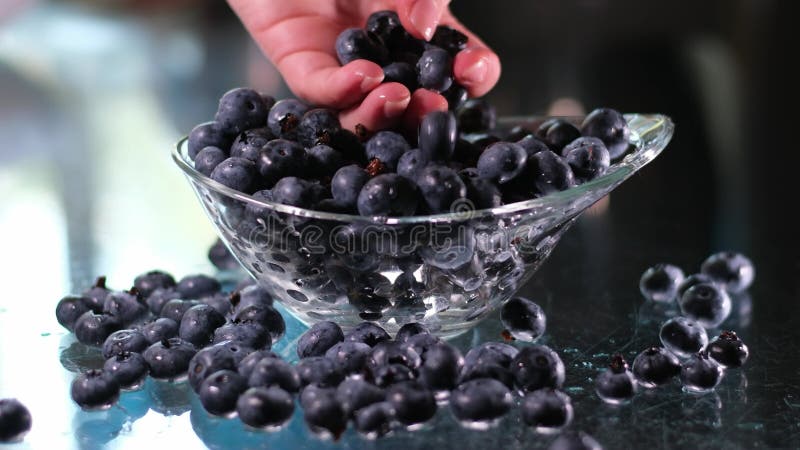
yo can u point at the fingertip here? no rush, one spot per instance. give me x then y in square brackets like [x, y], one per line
[366, 73]
[421, 17]
[477, 69]
[380, 109]
[422, 102]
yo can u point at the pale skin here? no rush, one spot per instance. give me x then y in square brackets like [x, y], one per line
[298, 36]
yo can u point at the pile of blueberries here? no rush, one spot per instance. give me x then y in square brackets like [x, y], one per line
[704, 301]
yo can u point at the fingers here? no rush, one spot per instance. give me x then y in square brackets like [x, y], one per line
[477, 69]
[382, 108]
[318, 79]
[421, 17]
[422, 102]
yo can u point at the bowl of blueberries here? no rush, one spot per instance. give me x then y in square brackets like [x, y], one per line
[439, 225]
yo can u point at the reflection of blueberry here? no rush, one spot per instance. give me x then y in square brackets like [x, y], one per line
[547, 408]
[219, 392]
[732, 270]
[275, 372]
[169, 358]
[524, 319]
[449, 247]
[221, 257]
[93, 329]
[480, 400]
[728, 350]
[128, 368]
[412, 402]
[148, 282]
[616, 384]
[264, 407]
[15, 420]
[374, 420]
[683, 336]
[700, 373]
[655, 366]
[536, 367]
[124, 341]
[706, 304]
[95, 389]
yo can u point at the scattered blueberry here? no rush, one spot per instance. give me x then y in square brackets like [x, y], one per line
[241, 109]
[270, 372]
[220, 391]
[317, 126]
[700, 373]
[549, 173]
[322, 411]
[15, 420]
[536, 367]
[588, 158]
[728, 350]
[324, 161]
[96, 295]
[547, 409]
[247, 145]
[248, 363]
[124, 306]
[161, 328]
[158, 298]
[559, 134]
[209, 360]
[94, 329]
[706, 304]
[280, 158]
[480, 401]
[95, 389]
[524, 319]
[435, 69]
[149, 281]
[682, 336]
[169, 359]
[197, 286]
[660, 283]
[732, 270]
[318, 339]
[124, 341]
[245, 334]
[284, 117]
[610, 127]
[128, 368]
[175, 308]
[266, 316]
[198, 324]
[441, 367]
[617, 383]
[691, 281]
[265, 407]
[655, 366]
[374, 420]
[70, 308]
[349, 356]
[320, 371]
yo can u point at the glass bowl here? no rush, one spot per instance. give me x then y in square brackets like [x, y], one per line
[447, 271]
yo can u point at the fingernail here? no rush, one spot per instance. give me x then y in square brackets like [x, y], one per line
[394, 108]
[476, 73]
[369, 83]
[424, 17]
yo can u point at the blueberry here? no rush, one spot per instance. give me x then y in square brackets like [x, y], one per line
[374, 420]
[270, 372]
[532, 145]
[502, 162]
[169, 359]
[476, 115]
[245, 334]
[354, 394]
[410, 329]
[660, 283]
[249, 362]
[480, 401]
[175, 308]
[124, 341]
[400, 72]
[347, 183]
[158, 298]
[482, 140]
[198, 324]
[728, 350]
[437, 136]
[412, 402]
[265, 407]
[732, 270]
[524, 319]
[435, 69]
[159, 329]
[441, 188]
[441, 367]
[96, 295]
[691, 281]
[221, 302]
[520, 132]
[367, 333]
[549, 173]
[15, 420]
[388, 195]
[386, 26]
[197, 286]
[210, 360]
[559, 134]
[320, 371]
[610, 127]
[467, 153]
[280, 158]
[682, 336]
[317, 126]
[547, 409]
[349, 144]
[322, 411]
[208, 134]
[318, 339]
[324, 161]
[241, 109]
[537, 367]
[221, 257]
[588, 158]
[355, 43]
[128, 368]
[350, 357]
[706, 304]
[493, 352]
[126, 307]
[615, 384]
[284, 117]
[266, 316]
[700, 373]
[575, 441]
[95, 389]
[253, 295]
[390, 374]
[655, 366]
[456, 95]
[411, 163]
[293, 191]
[70, 308]
[149, 281]
[388, 147]
[236, 173]
[393, 352]
[220, 391]
[422, 342]
[481, 192]
[93, 329]
[248, 144]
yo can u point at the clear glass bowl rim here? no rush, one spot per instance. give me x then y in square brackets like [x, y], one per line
[616, 173]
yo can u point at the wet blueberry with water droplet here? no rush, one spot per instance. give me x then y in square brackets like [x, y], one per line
[732, 270]
[616, 384]
[728, 350]
[700, 373]
[660, 283]
[655, 366]
[683, 336]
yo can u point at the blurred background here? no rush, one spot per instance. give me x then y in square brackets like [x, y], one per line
[94, 95]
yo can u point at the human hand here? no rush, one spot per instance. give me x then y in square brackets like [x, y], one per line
[298, 36]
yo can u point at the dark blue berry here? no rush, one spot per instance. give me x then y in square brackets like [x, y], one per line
[126, 307]
[266, 316]
[128, 368]
[386, 26]
[70, 308]
[456, 95]
[161, 328]
[349, 144]
[220, 391]
[198, 286]
[449, 39]
[208, 134]
[294, 192]
[682, 336]
[691, 281]
[275, 372]
[169, 358]
[96, 295]
[734, 271]
[481, 400]
[236, 173]
[617, 383]
[660, 283]
[248, 144]
[610, 127]
[411, 163]
[350, 357]
[280, 158]
[547, 408]
[347, 183]
[388, 147]
[158, 298]
[248, 363]
[124, 341]
[728, 350]
[374, 420]
[486, 369]
[655, 366]
[320, 371]
[284, 117]
[437, 136]
[559, 134]
[209, 360]
[367, 333]
[400, 72]
[493, 352]
[476, 115]
[549, 173]
[440, 188]
[421, 342]
[412, 402]
[253, 295]
[95, 389]
[410, 329]
[198, 324]
[245, 334]
[532, 145]
[537, 367]
[241, 109]
[588, 158]
[175, 308]
[354, 394]
[15, 420]
[435, 69]
[518, 133]
[388, 195]
[355, 43]
[481, 192]
[700, 373]
[441, 367]
[322, 411]
[324, 161]
[524, 319]
[317, 126]
[393, 352]
[502, 162]
[148, 282]
[707, 304]
[390, 374]
[265, 407]
[318, 339]
[94, 329]
[466, 153]
[220, 302]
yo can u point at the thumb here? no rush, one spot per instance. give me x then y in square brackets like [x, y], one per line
[421, 17]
